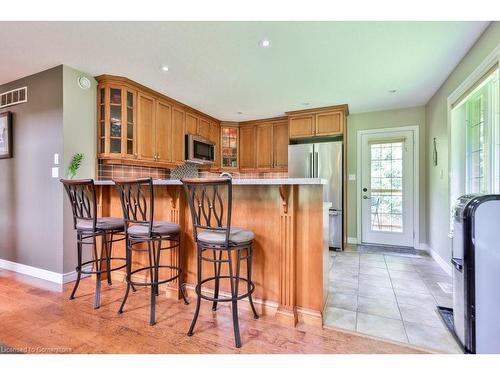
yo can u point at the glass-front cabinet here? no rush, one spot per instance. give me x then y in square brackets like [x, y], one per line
[229, 138]
[117, 121]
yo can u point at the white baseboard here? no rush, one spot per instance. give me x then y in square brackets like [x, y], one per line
[352, 240]
[69, 277]
[446, 266]
[40, 273]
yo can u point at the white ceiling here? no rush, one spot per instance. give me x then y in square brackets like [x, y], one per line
[219, 67]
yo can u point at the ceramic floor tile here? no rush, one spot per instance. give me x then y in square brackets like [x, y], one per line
[421, 314]
[407, 267]
[374, 291]
[372, 263]
[430, 268]
[370, 256]
[343, 287]
[412, 285]
[350, 278]
[408, 275]
[443, 300]
[391, 329]
[375, 271]
[431, 337]
[343, 301]
[398, 259]
[379, 307]
[413, 298]
[380, 281]
[340, 318]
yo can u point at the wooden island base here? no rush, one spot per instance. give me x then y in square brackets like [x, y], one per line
[290, 263]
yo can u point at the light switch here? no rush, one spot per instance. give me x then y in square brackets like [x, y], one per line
[352, 177]
[56, 159]
[55, 172]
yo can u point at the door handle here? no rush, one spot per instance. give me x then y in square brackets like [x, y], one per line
[316, 159]
[310, 165]
[366, 196]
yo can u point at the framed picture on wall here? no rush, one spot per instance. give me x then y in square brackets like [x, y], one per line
[5, 135]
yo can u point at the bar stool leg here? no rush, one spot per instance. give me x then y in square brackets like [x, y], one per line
[198, 292]
[128, 256]
[181, 284]
[109, 249]
[152, 310]
[79, 268]
[249, 279]
[234, 293]
[157, 263]
[217, 267]
[97, 303]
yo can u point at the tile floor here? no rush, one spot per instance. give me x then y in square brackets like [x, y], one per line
[390, 293]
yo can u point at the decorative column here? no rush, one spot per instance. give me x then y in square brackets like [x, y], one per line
[287, 312]
[175, 215]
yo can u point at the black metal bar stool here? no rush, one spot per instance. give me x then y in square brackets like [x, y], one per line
[89, 227]
[140, 228]
[218, 243]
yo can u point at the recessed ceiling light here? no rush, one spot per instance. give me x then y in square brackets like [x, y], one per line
[392, 91]
[164, 68]
[306, 104]
[266, 43]
[240, 113]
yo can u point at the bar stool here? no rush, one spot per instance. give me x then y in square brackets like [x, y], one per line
[140, 228]
[89, 227]
[218, 243]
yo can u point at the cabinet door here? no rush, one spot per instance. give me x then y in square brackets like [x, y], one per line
[191, 124]
[265, 145]
[330, 123]
[215, 138]
[301, 126]
[163, 133]
[280, 138]
[178, 118]
[204, 128]
[130, 146]
[145, 127]
[247, 147]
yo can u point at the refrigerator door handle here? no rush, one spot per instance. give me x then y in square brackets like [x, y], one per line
[316, 161]
[310, 172]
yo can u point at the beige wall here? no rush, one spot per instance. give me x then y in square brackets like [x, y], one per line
[79, 136]
[438, 205]
[377, 120]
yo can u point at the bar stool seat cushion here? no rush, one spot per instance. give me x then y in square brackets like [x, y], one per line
[162, 228]
[103, 223]
[236, 236]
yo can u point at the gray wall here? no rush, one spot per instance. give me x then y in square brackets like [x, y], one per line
[30, 200]
[438, 202]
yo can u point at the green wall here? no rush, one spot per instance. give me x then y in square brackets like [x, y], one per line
[438, 205]
[377, 120]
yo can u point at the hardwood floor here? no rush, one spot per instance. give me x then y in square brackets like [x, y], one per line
[34, 313]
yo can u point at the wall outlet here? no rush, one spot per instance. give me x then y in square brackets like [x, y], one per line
[55, 172]
[56, 159]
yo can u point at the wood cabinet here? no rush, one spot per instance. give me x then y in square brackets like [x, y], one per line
[319, 122]
[280, 144]
[229, 147]
[247, 147]
[264, 146]
[146, 127]
[136, 125]
[178, 142]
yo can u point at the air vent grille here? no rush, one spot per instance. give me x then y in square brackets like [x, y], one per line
[13, 97]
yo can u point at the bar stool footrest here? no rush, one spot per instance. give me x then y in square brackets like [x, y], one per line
[228, 299]
[135, 283]
[79, 269]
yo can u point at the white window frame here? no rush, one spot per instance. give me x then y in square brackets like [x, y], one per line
[488, 63]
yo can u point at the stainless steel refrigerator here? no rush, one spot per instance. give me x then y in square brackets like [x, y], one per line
[322, 160]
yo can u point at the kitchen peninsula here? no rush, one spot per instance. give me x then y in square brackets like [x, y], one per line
[290, 222]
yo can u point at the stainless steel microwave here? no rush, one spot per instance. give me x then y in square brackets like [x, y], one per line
[199, 150]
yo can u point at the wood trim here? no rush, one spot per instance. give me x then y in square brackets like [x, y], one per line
[340, 107]
[108, 160]
[260, 121]
[108, 78]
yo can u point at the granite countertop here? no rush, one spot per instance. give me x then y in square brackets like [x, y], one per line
[244, 181]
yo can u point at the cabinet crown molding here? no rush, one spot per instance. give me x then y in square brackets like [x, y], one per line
[340, 107]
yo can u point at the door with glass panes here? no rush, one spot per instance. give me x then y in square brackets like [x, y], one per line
[386, 196]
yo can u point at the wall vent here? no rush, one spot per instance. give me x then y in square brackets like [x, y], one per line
[13, 97]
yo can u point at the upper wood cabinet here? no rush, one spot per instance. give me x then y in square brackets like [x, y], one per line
[163, 132]
[146, 108]
[229, 147]
[280, 147]
[178, 121]
[116, 117]
[136, 125]
[247, 147]
[319, 122]
[265, 146]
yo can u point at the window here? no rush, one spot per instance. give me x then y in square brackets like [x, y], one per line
[478, 113]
